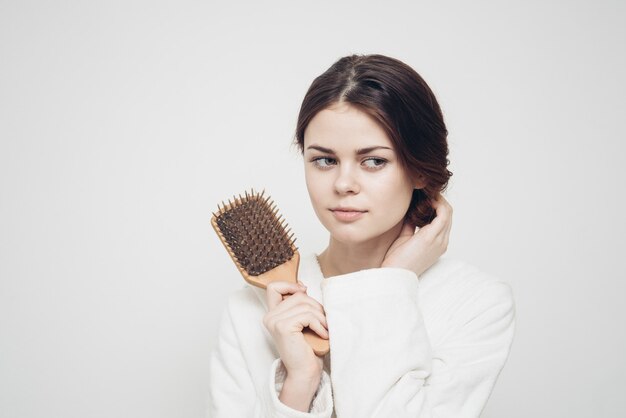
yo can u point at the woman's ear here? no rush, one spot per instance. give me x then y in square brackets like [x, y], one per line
[420, 183]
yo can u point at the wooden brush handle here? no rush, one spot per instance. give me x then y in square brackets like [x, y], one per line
[319, 345]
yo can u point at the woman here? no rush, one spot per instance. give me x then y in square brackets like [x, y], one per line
[411, 334]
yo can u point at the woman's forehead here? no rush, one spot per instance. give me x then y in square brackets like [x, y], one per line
[345, 128]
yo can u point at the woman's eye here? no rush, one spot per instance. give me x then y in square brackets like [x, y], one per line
[377, 162]
[323, 162]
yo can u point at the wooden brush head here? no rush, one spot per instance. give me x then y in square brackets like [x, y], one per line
[257, 240]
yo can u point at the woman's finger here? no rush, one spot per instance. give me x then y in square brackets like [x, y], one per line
[444, 210]
[450, 211]
[299, 321]
[297, 299]
[275, 291]
[320, 329]
[296, 310]
[444, 213]
[408, 230]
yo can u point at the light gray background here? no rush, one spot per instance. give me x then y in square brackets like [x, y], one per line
[124, 123]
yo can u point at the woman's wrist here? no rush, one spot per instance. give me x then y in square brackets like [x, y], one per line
[298, 391]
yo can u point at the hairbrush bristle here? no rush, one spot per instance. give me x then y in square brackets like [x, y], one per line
[257, 238]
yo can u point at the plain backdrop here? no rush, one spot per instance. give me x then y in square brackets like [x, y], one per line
[124, 123]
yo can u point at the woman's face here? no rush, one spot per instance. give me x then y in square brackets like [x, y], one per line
[350, 163]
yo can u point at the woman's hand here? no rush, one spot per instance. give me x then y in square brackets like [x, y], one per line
[417, 251]
[285, 319]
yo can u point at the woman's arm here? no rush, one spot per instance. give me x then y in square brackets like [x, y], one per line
[290, 310]
[232, 392]
[383, 364]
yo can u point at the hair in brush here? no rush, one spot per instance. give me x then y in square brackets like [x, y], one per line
[257, 239]
[253, 232]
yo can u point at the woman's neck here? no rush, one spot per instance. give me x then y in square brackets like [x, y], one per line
[340, 258]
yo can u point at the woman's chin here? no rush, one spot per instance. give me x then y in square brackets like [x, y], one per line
[351, 236]
[358, 233]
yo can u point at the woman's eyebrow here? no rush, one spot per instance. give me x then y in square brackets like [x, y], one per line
[360, 151]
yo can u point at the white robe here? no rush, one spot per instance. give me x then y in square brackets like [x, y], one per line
[399, 346]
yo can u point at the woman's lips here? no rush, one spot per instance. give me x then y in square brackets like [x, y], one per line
[347, 215]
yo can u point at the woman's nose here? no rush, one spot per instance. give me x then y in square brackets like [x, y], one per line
[346, 181]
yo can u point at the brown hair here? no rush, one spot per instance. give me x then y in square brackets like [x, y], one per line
[406, 108]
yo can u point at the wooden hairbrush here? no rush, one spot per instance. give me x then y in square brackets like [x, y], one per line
[258, 242]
